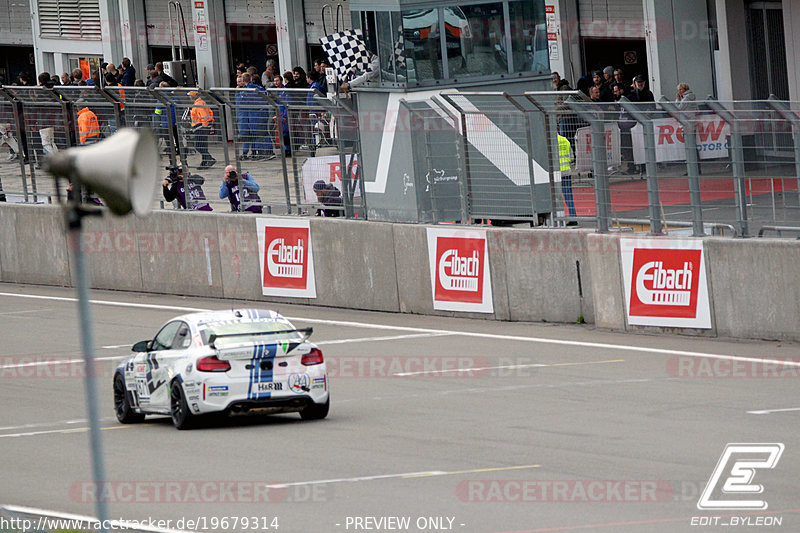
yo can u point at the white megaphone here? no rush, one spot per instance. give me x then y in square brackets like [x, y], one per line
[122, 170]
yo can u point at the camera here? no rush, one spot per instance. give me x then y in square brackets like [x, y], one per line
[174, 172]
[233, 175]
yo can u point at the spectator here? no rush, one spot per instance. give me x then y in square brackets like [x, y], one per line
[685, 98]
[288, 80]
[95, 79]
[202, 125]
[640, 93]
[299, 76]
[45, 81]
[151, 72]
[556, 77]
[139, 83]
[604, 90]
[55, 80]
[77, 76]
[88, 127]
[66, 79]
[625, 123]
[7, 137]
[160, 76]
[619, 78]
[281, 119]
[583, 85]
[330, 197]
[174, 190]
[252, 121]
[594, 93]
[241, 193]
[112, 69]
[269, 73]
[24, 79]
[608, 75]
[128, 77]
[323, 72]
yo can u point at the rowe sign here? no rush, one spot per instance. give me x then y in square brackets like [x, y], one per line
[665, 283]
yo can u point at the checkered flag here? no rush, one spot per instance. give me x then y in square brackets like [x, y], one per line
[399, 51]
[347, 52]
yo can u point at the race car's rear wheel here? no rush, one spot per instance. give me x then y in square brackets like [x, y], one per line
[182, 418]
[316, 411]
[122, 406]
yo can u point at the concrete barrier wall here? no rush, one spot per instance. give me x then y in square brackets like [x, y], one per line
[754, 284]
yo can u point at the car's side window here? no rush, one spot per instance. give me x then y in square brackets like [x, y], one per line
[182, 339]
[166, 336]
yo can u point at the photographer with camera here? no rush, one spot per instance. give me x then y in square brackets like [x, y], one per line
[240, 191]
[174, 189]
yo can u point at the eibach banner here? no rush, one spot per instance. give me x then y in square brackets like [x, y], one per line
[665, 283]
[459, 266]
[286, 257]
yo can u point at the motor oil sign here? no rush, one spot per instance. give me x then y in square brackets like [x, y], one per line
[459, 265]
[286, 257]
[665, 283]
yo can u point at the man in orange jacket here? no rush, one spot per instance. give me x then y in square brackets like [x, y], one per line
[88, 127]
[202, 121]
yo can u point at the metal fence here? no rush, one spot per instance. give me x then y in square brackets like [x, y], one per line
[551, 158]
[285, 140]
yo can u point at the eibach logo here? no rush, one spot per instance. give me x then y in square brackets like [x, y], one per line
[459, 269]
[665, 282]
[286, 257]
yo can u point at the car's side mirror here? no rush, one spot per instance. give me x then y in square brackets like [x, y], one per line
[141, 346]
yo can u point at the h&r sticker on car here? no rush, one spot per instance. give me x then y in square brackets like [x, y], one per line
[261, 372]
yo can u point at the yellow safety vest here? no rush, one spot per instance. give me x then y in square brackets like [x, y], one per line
[564, 157]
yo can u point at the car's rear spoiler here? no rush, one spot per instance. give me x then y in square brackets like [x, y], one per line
[305, 331]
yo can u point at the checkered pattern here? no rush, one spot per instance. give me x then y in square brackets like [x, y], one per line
[347, 52]
[399, 51]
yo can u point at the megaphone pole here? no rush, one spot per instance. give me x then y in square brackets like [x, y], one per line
[74, 218]
[139, 151]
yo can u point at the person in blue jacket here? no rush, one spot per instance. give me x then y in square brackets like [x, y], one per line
[240, 191]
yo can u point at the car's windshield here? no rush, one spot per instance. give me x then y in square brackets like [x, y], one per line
[246, 332]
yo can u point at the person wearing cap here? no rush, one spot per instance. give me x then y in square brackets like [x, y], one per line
[639, 92]
[202, 124]
[329, 196]
[608, 75]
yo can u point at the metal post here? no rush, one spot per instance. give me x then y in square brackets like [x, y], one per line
[529, 157]
[787, 114]
[599, 159]
[21, 152]
[651, 164]
[74, 217]
[461, 156]
[466, 186]
[737, 163]
[279, 127]
[692, 163]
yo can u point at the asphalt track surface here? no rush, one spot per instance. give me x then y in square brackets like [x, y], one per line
[556, 428]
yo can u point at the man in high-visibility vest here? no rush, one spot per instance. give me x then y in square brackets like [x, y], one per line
[88, 127]
[202, 120]
[564, 163]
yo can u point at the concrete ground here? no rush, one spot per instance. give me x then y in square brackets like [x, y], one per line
[553, 428]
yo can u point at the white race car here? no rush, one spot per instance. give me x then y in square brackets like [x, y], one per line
[237, 361]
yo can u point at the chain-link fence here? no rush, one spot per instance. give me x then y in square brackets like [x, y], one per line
[552, 158]
[278, 142]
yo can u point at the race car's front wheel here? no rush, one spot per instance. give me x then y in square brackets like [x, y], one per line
[316, 411]
[181, 417]
[122, 406]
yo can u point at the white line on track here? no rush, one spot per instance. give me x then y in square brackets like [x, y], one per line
[375, 339]
[770, 411]
[49, 362]
[406, 475]
[501, 367]
[538, 340]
